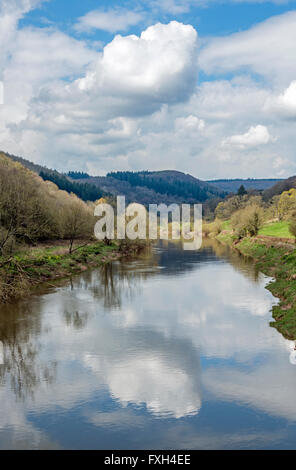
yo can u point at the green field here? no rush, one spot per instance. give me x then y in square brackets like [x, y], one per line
[276, 229]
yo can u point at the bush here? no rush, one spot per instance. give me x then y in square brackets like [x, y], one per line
[213, 228]
[248, 221]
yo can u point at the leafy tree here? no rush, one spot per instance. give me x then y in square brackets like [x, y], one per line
[287, 203]
[225, 209]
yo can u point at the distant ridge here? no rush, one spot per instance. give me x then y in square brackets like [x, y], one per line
[232, 185]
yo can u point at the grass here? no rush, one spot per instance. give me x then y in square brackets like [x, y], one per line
[276, 229]
[279, 262]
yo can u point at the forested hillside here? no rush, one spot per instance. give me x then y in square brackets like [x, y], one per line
[33, 210]
[174, 183]
[86, 192]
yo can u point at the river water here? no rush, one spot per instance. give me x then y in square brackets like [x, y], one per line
[169, 351]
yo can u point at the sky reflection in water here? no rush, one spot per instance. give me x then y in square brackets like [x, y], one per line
[172, 350]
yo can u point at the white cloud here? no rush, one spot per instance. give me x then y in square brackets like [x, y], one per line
[172, 6]
[160, 65]
[285, 104]
[256, 135]
[108, 20]
[122, 128]
[267, 49]
[189, 123]
[18, 7]
[136, 103]
[11, 11]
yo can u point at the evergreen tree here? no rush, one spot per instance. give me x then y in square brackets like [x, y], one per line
[241, 190]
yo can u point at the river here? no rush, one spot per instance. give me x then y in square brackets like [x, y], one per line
[172, 350]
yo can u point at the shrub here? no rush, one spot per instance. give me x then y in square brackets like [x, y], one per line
[248, 221]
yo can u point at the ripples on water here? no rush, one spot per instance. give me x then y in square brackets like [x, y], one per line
[172, 350]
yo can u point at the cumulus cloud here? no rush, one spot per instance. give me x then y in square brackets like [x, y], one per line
[137, 104]
[256, 135]
[285, 104]
[112, 20]
[157, 68]
[160, 65]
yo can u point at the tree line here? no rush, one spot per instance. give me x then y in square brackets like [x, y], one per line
[85, 191]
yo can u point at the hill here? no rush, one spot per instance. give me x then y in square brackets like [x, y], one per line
[144, 187]
[278, 188]
[166, 186]
[153, 187]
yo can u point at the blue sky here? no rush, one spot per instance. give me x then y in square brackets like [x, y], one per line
[215, 18]
[207, 87]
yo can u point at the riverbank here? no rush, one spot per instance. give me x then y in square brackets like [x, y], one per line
[276, 259]
[44, 263]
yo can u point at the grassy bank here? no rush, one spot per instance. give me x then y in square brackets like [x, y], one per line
[277, 260]
[26, 269]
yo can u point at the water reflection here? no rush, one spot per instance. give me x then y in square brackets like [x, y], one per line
[20, 327]
[170, 350]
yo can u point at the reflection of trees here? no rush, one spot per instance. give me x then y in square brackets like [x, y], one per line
[112, 282]
[240, 263]
[76, 319]
[20, 326]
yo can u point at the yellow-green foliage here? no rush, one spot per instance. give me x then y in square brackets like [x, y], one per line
[248, 221]
[227, 208]
[212, 228]
[32, 209]
[287, 204]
